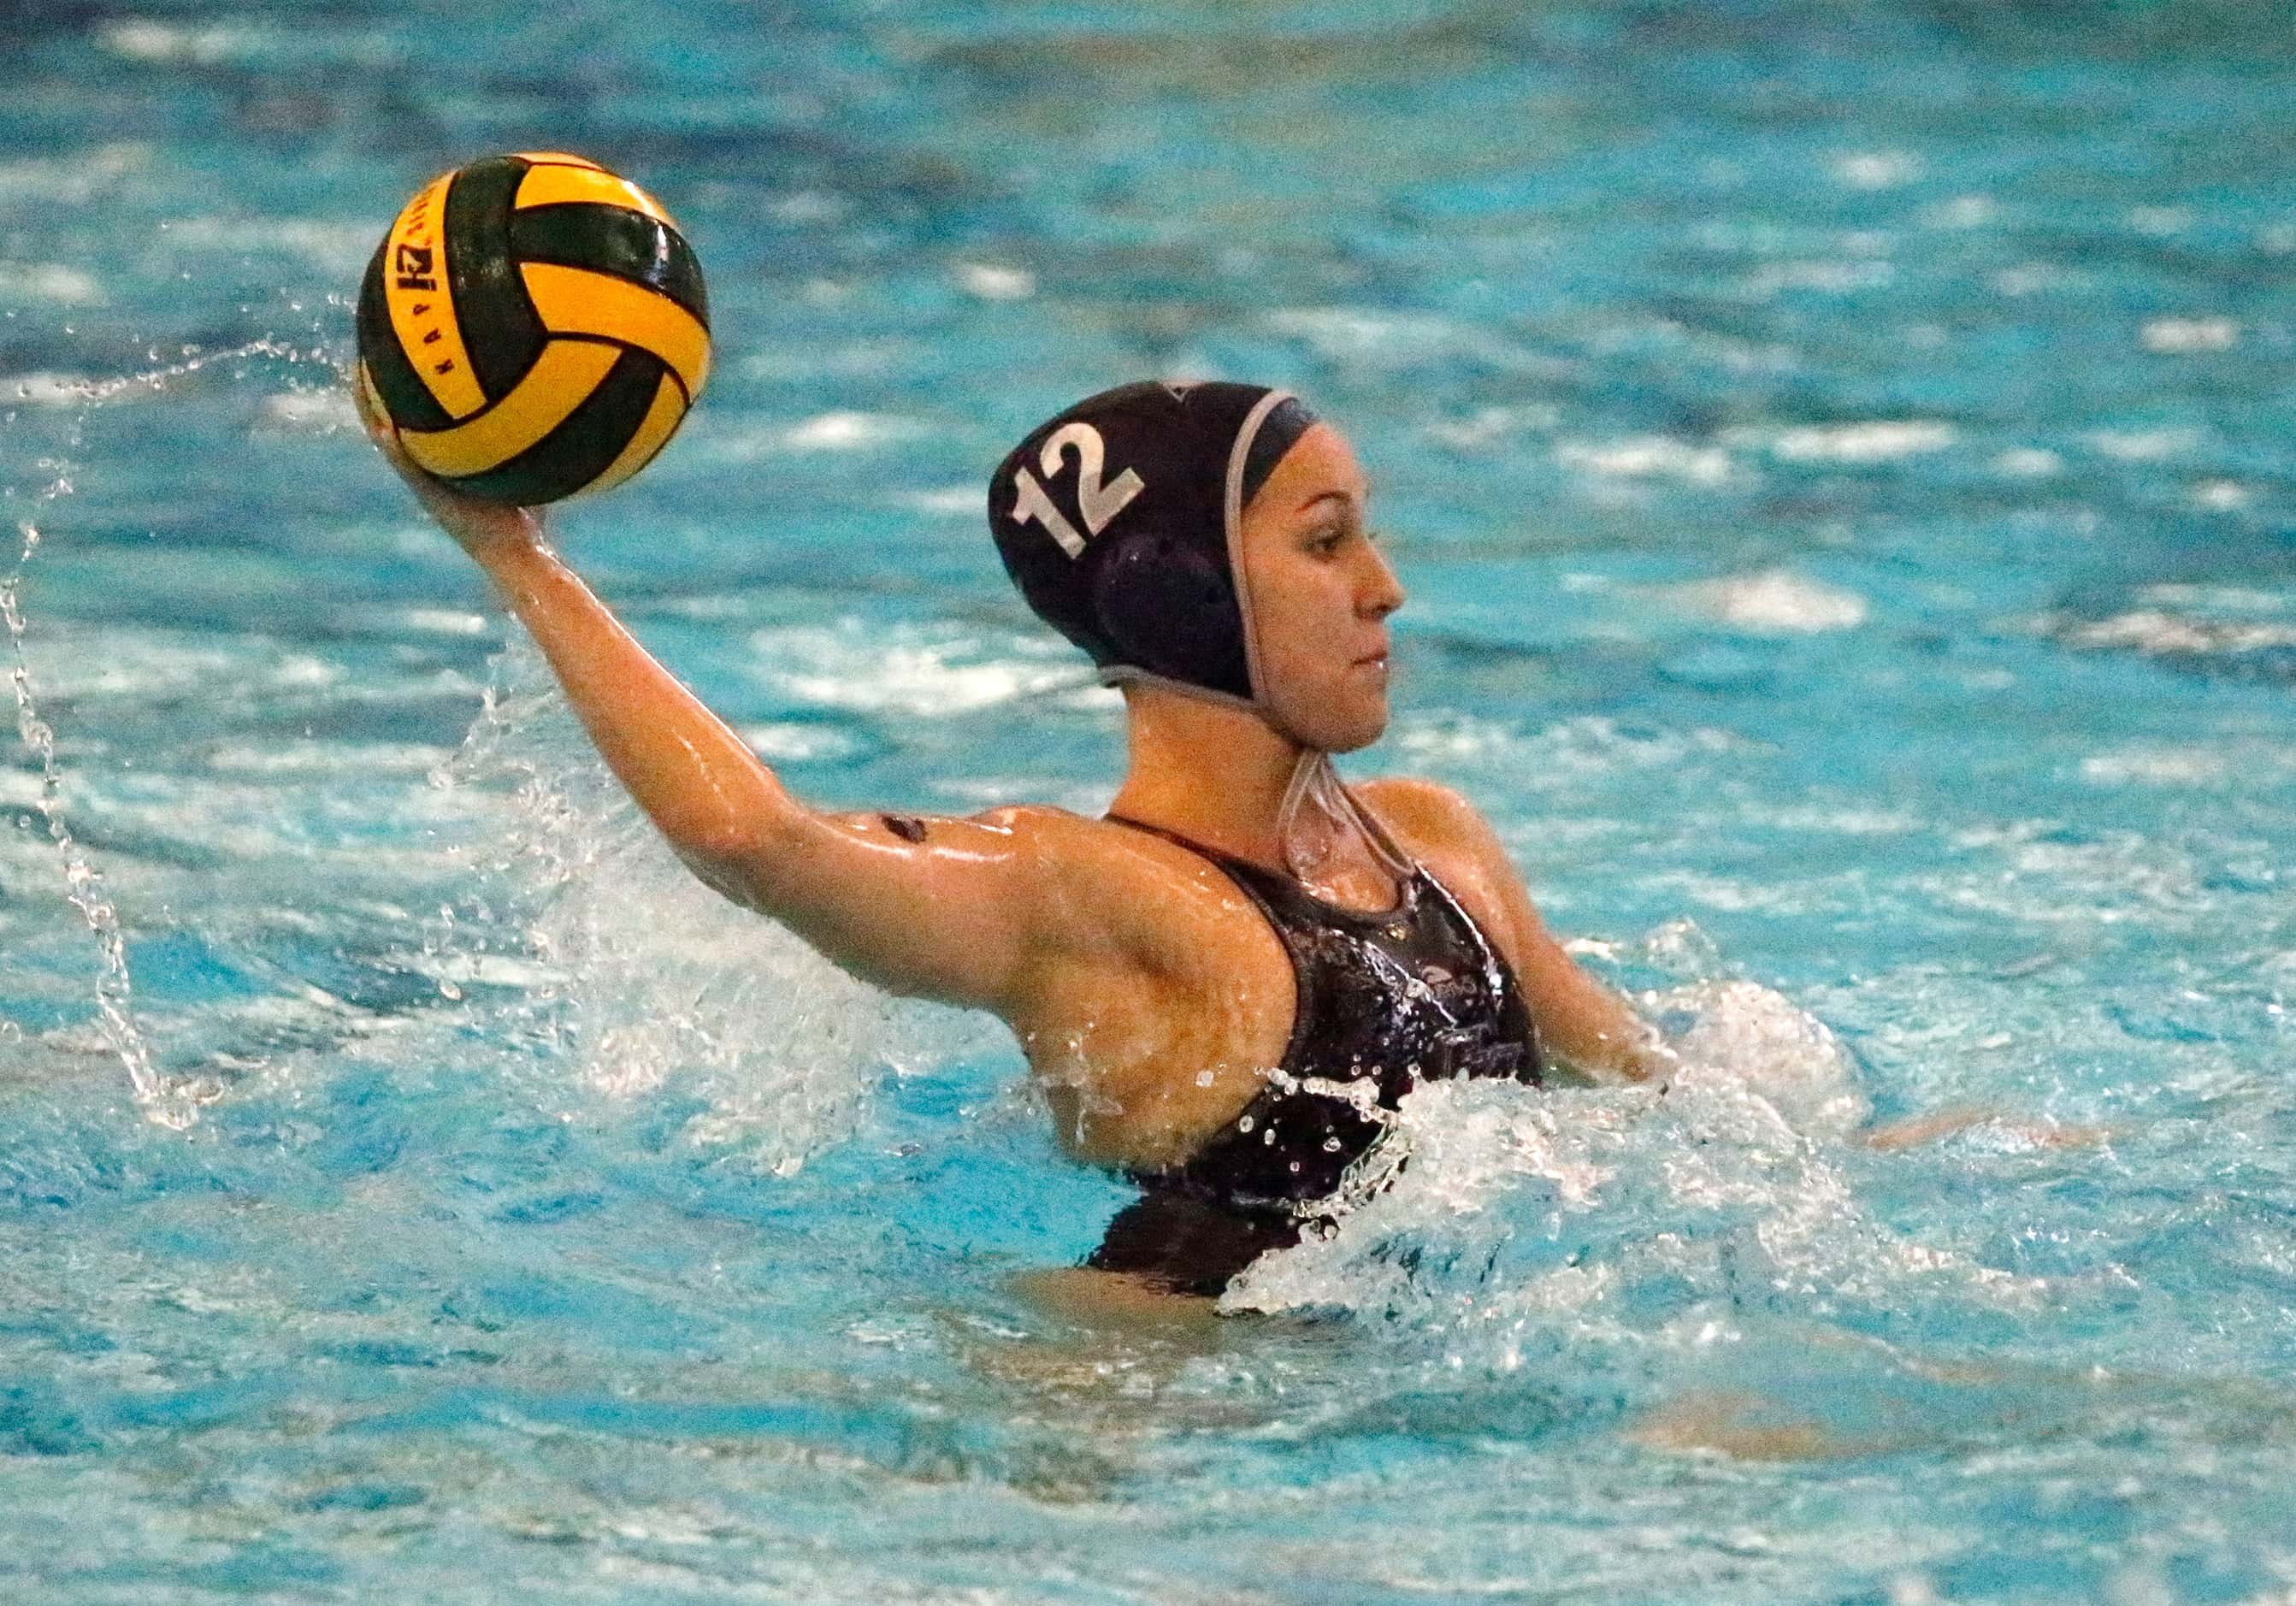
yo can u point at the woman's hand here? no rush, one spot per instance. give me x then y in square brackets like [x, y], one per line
[487, 530]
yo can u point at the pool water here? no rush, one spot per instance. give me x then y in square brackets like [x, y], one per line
[1840, 454]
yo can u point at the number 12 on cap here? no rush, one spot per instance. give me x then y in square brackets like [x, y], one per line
[1096, 502]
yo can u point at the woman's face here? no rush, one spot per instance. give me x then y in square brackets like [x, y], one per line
[1320, 594]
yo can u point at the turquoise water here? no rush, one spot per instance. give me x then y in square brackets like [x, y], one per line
[1840, 454]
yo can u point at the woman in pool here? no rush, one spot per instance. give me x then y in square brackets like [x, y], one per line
[1225, 985]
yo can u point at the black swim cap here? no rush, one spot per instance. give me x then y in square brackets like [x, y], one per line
[1120, 519]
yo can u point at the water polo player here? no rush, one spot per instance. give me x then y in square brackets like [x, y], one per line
[1224, 984]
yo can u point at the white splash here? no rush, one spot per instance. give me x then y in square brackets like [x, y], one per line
[1771, 1047]
[2155, 766]
[1881, 440]
[74, 177]
[989, 281]
[2029, 462]
[321, 410]
[2154, 631]
[1650, 458]
[2147, 446]
[147, 39]
[1778, 603]
[2161, 221]
[49, 282]
[2190, 334]
[838, 432]
[1367, 335]
[1633, 1220]
[1877, 169]
[639, 981]
[801, 743]
[1961, 212]
[1829, 277]
[1489, 426]
[165, 1099]
[84, 886]
[335, 245]
[43, 388]
[944, 502]
[908, 670]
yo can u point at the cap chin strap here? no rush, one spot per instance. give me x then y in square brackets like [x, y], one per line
[1315, 788]
[1239, 456]
[1132, 675]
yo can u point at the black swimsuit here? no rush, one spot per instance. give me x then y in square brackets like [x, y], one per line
[1385, 1001]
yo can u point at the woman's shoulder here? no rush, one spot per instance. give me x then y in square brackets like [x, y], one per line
[1428, 813]
[1449, 837]
[1142, 891]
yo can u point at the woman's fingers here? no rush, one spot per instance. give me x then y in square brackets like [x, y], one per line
[380, 430]
[475, 525]
[371, 412]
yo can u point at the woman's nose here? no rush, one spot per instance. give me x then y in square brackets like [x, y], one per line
[1382, 594]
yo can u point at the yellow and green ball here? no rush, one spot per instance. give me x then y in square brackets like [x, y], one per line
[535, 326]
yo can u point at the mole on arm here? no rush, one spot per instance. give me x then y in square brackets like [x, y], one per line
[907, 827]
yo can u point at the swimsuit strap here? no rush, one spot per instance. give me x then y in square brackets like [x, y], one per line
[1262, 882]
[1506, 989]
[1173, 837]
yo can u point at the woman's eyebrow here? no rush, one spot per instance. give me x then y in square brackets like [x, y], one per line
[1339, 497]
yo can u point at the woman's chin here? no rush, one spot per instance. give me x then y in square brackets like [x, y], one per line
[1344, 731]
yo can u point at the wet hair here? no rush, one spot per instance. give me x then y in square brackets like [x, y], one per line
[1121, 520]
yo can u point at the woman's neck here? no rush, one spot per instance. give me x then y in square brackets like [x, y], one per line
[1217, 775]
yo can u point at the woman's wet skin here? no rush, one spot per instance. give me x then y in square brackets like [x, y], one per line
[1150, 995]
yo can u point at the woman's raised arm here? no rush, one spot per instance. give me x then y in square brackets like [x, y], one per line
[944, 909]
